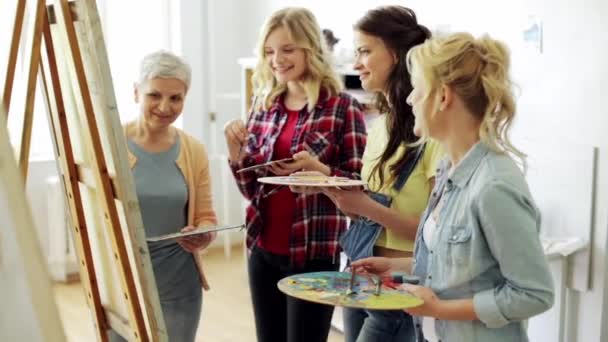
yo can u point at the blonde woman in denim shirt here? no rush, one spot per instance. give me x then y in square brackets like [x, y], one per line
[478, 255]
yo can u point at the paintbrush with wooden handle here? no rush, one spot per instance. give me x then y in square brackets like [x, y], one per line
[351, 283]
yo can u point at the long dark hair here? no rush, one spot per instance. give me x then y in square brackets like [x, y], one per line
[398, 28]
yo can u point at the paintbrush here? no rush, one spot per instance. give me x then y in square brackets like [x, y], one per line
[351, 283]
[378, 282]
[394, 280]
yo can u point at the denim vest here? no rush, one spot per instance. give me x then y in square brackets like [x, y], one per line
[359, 240]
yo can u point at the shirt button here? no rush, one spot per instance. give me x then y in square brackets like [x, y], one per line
[429, 277]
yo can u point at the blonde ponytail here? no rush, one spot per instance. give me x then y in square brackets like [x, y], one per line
[478, 71]
[498, 88]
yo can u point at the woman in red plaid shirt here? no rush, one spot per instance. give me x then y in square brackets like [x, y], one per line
[298, 111]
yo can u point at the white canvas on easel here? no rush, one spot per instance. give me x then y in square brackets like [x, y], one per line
[28, 310]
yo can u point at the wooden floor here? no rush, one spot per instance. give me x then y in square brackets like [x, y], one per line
[227, 314]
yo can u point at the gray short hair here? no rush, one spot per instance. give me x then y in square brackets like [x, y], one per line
[164, 64]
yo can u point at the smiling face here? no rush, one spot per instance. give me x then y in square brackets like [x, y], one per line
[374, 61]
[161, 101]
[286, 60]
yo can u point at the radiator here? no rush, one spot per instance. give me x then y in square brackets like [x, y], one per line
[61, 258]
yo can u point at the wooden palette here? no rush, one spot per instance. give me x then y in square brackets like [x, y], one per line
[331, 288]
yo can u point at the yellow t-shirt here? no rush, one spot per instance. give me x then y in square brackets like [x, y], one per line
[413, 197]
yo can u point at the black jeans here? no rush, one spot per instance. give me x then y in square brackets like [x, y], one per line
[278, 317]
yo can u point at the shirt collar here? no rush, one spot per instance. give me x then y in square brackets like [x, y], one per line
[278, 103]
[469, 163]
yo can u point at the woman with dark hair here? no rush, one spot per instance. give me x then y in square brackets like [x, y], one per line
[399, 172]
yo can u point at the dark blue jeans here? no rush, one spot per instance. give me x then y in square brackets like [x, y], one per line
[278, 317]
[378, 326]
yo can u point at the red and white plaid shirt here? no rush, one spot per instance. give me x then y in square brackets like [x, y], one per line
[334, 132]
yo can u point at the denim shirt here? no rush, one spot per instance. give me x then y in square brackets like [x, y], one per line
[486, 247]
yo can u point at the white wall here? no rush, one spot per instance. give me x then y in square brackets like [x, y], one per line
[193, 50]
[38, 172]
[213, 56]
[213, 38]
[561, 96]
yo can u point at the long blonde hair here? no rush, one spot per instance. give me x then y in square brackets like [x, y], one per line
[304, 30]
[478, 71]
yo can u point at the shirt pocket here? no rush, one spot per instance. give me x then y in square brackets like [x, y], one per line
[320, 144]
[257, 143]
[459, 244]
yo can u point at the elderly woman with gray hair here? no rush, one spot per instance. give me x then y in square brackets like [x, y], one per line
[171, 173]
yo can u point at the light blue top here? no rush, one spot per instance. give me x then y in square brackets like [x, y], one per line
[163, 195]
[486, 247]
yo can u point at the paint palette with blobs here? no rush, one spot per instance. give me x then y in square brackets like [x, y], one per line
[331, 288]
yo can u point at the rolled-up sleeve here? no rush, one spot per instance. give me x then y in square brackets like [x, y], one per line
[353, 140]
[247, 182]
[510, 223]
[487, 309]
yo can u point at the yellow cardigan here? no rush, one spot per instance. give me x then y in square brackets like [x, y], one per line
[194, 165]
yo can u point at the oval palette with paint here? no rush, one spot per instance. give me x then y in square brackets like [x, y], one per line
[332, 288]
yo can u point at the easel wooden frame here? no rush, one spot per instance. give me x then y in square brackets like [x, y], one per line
[82, 71]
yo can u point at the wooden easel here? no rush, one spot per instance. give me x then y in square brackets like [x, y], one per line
[92, 157]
